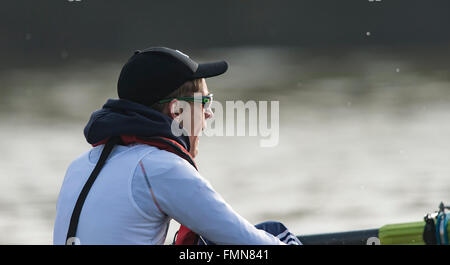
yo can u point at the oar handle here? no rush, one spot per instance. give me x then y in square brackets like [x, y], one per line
[358, 237]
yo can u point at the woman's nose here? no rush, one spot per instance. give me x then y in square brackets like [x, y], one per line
[208, 115]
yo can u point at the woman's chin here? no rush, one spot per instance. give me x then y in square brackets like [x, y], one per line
[194, 152]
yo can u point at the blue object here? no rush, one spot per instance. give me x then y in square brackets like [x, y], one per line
[442, 221]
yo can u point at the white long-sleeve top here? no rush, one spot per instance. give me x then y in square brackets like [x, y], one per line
[136, 194]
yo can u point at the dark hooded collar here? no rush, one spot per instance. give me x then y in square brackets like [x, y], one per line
[123, 117]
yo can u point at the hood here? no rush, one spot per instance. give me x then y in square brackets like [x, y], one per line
[124, 117]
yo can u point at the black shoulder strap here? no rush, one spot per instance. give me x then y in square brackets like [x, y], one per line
[87, 186]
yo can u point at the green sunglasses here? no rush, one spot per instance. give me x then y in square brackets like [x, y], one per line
[205, 100]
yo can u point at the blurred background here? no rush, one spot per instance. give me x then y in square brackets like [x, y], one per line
[364, 91]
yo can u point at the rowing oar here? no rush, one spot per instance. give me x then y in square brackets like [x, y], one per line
[433, 230]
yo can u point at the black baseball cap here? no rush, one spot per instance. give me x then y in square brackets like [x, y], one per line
[152, 74]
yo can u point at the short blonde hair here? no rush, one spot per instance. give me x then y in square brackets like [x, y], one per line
[185, 90]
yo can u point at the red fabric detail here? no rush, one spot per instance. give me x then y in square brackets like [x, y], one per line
[151, 190]
[128, 139]
[101, 142]
[185, 236]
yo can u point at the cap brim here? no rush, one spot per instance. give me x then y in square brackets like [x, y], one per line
[206, 70]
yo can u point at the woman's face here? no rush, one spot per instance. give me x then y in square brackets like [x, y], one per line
[198, 120]
[192, 117]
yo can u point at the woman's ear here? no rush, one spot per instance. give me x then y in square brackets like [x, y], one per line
[174, 108]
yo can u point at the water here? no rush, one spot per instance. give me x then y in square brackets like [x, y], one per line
[363, 138]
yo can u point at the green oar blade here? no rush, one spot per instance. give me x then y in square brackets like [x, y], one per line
[402, 234]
